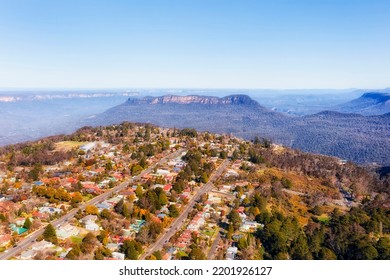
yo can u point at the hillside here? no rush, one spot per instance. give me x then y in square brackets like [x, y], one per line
[371, 103]
[151, 191]
[362, 139]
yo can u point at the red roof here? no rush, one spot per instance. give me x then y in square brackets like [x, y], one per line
[5, 238]
[72, 180]
[166, 256]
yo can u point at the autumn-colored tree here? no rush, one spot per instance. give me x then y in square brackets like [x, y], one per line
[77, 197]
[91, 210]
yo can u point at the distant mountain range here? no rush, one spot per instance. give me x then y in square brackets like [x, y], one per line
[371, 103]
[362, 139]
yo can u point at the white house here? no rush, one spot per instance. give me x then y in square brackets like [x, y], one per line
[231, 253]
[118, 256]
[67, 231]
[92, 226]
[28, 255]
[41, 245]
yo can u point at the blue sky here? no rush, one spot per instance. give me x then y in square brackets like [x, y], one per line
[281, 44]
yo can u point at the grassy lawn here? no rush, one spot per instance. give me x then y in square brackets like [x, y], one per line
[209, 232]
[182, 254]
[76, 239]
[69, 145]
[324, 218]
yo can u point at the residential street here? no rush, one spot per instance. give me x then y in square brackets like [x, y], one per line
[179, 220]
[27, 241]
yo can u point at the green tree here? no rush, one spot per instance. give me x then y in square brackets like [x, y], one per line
[242, 243]
[119, 206]
[204, 178]
[158, 255]
[105, 214]
[383, 248]
[138, 191]
[131, 249]
[103, 237]
[109, 165]
[197, 254]
[74, 253]
[35, 172]
[235, 219]
[27, 223]
[327, 254]
[88, 243]
[300, 249]
[230, 231]
[136, 169]
[173, 212]
[162, 198]
[50, 234]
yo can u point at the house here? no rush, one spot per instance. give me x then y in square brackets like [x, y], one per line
[89, 218]
[137, 225]
[127, 192]
[102, 206]
[89, 222]
[41, 245]
[227, 188]
[7, 206]
[128, 233]
[242, 216]
[249, 226]
[87, 147]
[40, 215]
[113, 247]
[92, 226]
[172, 251]
[28, 255]
[167, 188]
[5, 239]
[161, 216]
[118, 256]
[231, 253]
[113, 201]
[118, 176]
[91, 187]
[231, 173]
[49, 210]
[20, 221]
[63, 253]
[18, 230]
[167, 256]
[67, 231]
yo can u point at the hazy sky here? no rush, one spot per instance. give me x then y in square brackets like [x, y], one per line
[199, 43]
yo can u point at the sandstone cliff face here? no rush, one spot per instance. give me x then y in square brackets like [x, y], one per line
[190, 99]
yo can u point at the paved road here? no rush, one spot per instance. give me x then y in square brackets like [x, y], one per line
[214, 246]
[177, 223]
[294, 192]
[28, 240]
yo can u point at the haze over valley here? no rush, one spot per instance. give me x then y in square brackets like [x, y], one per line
[305, 119]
